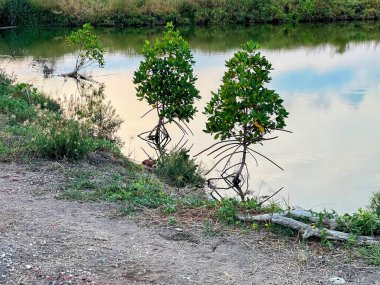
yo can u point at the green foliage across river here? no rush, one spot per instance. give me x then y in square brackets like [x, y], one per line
[182, 12]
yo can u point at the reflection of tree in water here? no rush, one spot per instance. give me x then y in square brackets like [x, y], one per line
[50, 42]
[45, 66]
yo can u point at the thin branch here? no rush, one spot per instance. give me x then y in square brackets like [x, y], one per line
[176, 146]
[147, 113]
[146, 153]
[286, 131]
[248, 151]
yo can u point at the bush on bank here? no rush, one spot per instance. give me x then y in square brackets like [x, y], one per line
[33, 125]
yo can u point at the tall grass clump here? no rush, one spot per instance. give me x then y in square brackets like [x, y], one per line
[180, 170]
[91, 109]
[61, 138]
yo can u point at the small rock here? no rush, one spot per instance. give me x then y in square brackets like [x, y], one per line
[101, 238]
[337, 280]
[2, 271]
[28, 267]
[178, 229]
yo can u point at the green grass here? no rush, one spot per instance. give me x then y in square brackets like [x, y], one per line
[133, 189]
[371, 254]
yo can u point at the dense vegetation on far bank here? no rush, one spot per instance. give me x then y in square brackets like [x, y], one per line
[182, 12]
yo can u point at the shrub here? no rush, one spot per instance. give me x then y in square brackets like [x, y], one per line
[180, 170]
[6, 79]
[60, 138]
[17, 109]
[36, 124]
[375, 203]
[100, 117]
[21, 100]
[57, 138]
[361, 223]
[30, 95]
[227, 211]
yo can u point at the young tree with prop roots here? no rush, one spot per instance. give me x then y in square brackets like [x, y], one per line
[166, 81]
[241, 114]
[88, 51]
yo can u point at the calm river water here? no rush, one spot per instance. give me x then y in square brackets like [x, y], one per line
[328, 75]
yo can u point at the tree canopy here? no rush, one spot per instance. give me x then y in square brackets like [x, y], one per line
[165, 78]
[243, 108]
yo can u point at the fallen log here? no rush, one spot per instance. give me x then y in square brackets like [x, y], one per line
[303, 214]
[308, 231]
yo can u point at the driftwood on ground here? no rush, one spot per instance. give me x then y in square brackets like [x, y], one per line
[307, 230]
[332, 224]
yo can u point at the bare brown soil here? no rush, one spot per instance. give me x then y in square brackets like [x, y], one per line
[44, 240]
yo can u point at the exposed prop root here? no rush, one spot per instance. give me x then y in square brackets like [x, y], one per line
[158, 138]
[307, 230]
[235, 176]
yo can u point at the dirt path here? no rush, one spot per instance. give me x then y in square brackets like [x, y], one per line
[44, 240]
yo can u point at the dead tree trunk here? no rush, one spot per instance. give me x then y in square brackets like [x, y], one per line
[308, 231]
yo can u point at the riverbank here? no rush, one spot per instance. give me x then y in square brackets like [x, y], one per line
[45, 240]
[98, 218]
[182, 12]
